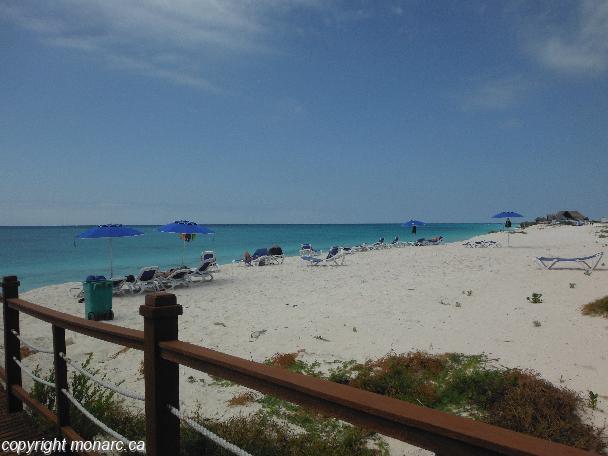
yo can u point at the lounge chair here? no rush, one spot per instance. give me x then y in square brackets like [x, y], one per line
[590, 261]
[433, 241]
[275, 255]
[175, 278]
[361, 248]
[308, 250]
[207, 268]
[482, 244]
[147, 280]
[120, 286]
[379, 244]
[334, 257]
[259, 257]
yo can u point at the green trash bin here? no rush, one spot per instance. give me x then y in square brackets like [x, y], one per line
[97, 299]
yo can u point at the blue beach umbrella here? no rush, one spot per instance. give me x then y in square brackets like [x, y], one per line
[412, 223]
[508, 214]
[108, 232]
[187, 230]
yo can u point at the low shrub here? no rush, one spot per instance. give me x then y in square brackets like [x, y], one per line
[597, 308]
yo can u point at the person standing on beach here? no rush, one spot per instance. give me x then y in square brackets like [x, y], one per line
[508, 223]
[413, 229]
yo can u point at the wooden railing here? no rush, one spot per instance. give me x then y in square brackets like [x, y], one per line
[442, 433]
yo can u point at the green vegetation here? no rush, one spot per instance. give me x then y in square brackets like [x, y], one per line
[259, 434]
[467, 385]
[536, 298]
[598, 308]
[593, 399]
[101, 402]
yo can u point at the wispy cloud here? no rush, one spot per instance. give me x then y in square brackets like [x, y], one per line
[139, 36]
[494, 93]
[577, 47]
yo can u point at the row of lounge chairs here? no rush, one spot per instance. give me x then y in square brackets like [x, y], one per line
[381, 244]
[151, 278]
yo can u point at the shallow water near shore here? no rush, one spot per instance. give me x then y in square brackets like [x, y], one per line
[42, 256]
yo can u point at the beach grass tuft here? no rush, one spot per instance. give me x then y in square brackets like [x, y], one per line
[242, 399]
[536, 298]
[597, 308]
[291, 362]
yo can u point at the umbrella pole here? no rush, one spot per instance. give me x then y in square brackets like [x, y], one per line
[110, 257]
[183, 249]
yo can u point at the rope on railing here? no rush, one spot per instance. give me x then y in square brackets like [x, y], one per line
[101, 425]
[32, 375]
[210, 435]
[31, 346]
[110, 386]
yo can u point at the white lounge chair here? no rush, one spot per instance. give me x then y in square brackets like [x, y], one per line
[176, 278]
[335, 257]
[275, 255]
[482, 244]
[207, 268]
[590, 261]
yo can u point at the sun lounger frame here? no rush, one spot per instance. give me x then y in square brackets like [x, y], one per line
[579, 260]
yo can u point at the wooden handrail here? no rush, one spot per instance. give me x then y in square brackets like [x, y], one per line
[428, 428]
[127, 337]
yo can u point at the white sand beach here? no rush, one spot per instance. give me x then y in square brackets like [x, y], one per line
[400, 299]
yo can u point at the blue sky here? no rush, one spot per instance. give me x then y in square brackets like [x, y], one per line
[302, 111]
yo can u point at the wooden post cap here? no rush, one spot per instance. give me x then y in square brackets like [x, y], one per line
[10, 281]
[161, 305]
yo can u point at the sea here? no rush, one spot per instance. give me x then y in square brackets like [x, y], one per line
[47, 255]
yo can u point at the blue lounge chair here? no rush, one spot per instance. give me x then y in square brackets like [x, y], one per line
[308, 250]
[587, 261]
[146, 280]
[259, 257]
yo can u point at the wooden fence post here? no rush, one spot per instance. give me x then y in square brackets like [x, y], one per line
[12, 346]
[160, 314]
[61, 378]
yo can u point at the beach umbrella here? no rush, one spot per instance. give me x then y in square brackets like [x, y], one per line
[109, 232]
[187, 231]
[412, 223]
[507, 214]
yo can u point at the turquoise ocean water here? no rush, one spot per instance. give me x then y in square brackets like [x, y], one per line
[42, 256]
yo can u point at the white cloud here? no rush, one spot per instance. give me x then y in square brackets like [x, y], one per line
[171, 40]
[495, 93]
[581, 47]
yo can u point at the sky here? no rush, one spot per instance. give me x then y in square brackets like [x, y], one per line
[301, 111]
